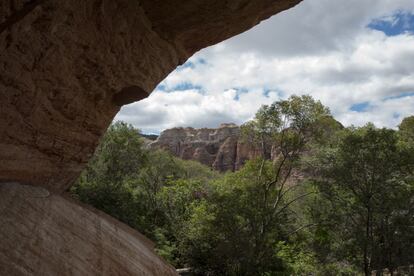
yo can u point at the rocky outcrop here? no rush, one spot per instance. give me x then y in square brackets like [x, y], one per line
[66, 67]
[221, 148]
[46, 234]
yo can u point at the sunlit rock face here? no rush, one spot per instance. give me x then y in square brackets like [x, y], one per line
[222, 148]
[66, 67]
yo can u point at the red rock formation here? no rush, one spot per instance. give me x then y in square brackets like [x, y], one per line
[221, 148]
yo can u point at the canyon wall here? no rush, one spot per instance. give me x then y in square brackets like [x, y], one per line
[222, 149]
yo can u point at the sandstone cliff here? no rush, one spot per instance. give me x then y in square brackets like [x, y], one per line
[221, 148]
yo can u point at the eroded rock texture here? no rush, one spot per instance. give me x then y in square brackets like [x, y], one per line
[222, 148]
[45, 234]
[62, 64]
[61, 68]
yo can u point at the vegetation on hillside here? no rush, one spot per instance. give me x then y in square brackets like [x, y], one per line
[333, 201]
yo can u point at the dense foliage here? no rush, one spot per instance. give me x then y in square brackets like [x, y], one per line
[323, 200]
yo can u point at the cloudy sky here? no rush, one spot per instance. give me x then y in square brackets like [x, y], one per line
[355, 56]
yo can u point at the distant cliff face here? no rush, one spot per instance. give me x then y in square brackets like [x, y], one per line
[221, 148]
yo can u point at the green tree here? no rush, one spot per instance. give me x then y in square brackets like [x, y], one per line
[319, 200]
[364, 177]
[224, 234]
[148, 190]
[288, 126]
[406, 129]
[118, 157]
[249, 210]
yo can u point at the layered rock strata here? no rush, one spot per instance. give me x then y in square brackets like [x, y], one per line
[221, 148]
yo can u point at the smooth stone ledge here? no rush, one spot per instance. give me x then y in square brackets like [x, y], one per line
[46, 234]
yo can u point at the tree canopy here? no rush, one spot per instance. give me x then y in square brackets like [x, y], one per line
[322, 199]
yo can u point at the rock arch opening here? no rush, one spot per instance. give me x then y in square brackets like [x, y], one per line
[85, 51]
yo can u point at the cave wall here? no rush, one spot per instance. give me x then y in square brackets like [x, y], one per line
[60, 68]
[66, 68]
[47, 234]
[65, 65]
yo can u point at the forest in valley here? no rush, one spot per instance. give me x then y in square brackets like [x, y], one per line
[334, 200]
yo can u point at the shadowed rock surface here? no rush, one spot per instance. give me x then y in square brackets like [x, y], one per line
[62, 64]
[46, 234]
[66, 67]
[221, 148]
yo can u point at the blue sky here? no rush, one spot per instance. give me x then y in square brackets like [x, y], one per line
[360, 107]
[395, 24]
[357, 57]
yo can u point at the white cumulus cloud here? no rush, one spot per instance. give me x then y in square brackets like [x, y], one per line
[321, 47]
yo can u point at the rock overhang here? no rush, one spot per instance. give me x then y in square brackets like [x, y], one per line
[66, 68]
